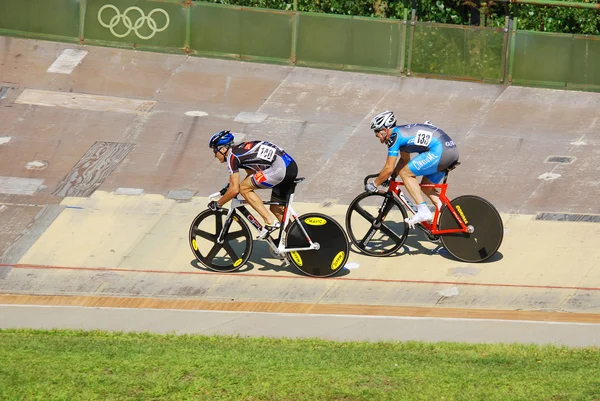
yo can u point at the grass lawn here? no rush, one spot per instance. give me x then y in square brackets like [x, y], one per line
[77, 365]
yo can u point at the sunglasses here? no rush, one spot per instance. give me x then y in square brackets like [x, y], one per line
[377, 131]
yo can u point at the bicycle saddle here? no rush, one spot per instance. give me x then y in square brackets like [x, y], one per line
[453, 166]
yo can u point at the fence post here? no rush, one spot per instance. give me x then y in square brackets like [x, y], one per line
[82, 9]
[403, 40]
[507, 25]
[411, 41]
[295, 21]
[511, 58]
[188, 27]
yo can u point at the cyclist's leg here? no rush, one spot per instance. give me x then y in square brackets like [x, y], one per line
[448, 156]
[283, 190]
[247, 188]
[423, 164]
[432, 193]
[413, 188]
[276, 209]
[410, 181]
[402, 162]
[260, 180]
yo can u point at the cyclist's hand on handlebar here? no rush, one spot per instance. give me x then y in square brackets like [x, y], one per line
[214, 206]
[386, 183]
[370, 187]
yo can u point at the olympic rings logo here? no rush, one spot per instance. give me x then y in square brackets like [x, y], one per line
[131, 26]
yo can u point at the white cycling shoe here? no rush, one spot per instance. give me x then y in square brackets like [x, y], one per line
[268, 229]
[421, 216]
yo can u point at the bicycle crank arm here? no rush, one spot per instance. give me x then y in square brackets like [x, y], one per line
[314, 247]
[430, 236]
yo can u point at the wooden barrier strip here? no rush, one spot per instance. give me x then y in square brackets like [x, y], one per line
[279, 307]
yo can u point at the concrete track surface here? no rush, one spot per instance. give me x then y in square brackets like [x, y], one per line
[104, 163]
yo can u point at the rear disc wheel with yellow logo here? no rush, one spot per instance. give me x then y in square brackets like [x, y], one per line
[332, 255]
[487, 234]
[229, 256]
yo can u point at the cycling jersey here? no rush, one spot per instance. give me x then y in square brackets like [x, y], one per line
[436, 149]
[273, 167]
[255, 155]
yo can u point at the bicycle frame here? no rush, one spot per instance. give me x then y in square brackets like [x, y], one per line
[288, 214]
[431, 227]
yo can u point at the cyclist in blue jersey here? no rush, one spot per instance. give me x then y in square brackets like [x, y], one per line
[266, 166]
[435, 150]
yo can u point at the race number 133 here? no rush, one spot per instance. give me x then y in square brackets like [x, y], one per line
[423, 138]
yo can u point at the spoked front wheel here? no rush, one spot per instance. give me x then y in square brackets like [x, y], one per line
[333, 245]
[228, 256]
[375, 223]
[486, 224]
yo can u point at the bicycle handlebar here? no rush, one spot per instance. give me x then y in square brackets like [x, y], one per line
[385, 184]
[218, 194]
[370, 176]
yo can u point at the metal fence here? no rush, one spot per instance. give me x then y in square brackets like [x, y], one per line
[245, 33]
[556, 60]
[47, 19]
[459, 52]
[400, 47]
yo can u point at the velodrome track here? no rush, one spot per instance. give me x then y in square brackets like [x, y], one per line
[115, 236]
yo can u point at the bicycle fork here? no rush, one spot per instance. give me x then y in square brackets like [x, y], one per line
[228, 220]
[385, 208]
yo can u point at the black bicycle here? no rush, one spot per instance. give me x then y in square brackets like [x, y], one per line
[315, 243]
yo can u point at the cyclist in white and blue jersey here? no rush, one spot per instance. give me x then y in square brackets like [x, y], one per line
[436, 152]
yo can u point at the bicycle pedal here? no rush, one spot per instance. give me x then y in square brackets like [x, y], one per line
[263, 236]
[282, 257]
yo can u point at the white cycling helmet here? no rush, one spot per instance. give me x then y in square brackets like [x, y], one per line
[385, 119]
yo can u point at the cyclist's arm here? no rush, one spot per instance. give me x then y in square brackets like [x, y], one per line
[397, 150]
[233, 190]
[387, 171]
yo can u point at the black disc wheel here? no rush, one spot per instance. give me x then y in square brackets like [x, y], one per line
[486, 224]
[332, 254]
[375, 224]
[228, 256]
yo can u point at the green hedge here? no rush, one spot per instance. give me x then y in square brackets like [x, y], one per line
[535, 18]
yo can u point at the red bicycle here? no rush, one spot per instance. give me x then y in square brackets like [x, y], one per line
[469, 227]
